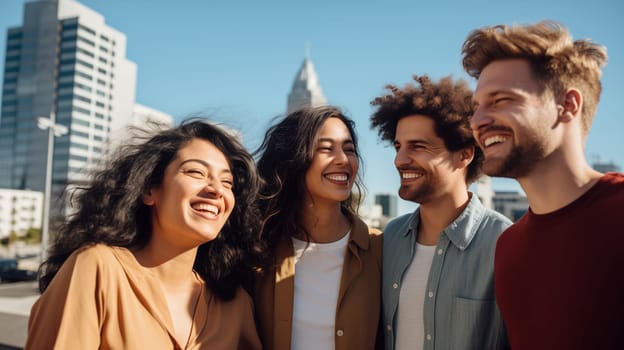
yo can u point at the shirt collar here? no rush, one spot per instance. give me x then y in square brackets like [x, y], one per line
[463, 229]
[359, 231]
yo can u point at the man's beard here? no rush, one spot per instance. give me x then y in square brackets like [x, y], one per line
[418, 195]
[519, 163]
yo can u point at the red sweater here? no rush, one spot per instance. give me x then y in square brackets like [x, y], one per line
[559, 277]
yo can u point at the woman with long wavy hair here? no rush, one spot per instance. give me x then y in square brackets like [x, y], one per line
[320, 288]
[160, 251]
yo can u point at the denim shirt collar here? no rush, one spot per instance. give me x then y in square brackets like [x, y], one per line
[463, 229]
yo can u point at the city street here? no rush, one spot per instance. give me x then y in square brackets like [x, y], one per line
[16, 300]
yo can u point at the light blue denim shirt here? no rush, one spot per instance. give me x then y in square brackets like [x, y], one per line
[460, 310]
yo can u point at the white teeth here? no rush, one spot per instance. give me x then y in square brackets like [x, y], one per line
[494, 139]
[205, 207]
[408, 176]
[337, 177]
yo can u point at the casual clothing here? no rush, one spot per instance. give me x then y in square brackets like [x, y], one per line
[410, 326]
[101, 298]
[460, 310]
[359, 297]
[559, 282]
[317, 284]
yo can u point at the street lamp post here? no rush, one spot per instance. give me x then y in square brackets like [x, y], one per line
[53, 130]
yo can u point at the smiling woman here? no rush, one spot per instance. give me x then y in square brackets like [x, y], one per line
[160, 251]
[322, 277]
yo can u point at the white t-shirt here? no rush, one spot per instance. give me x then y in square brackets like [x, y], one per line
[318, 268]
[410, 326]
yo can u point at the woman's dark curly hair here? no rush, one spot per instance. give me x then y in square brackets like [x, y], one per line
[448, 103]
[111, 210]
[284, 157]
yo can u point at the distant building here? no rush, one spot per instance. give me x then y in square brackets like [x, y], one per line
[19, 211]
[372, 216]
[306, 89]
[388, 203]
[143, 120]
[484, 191]
[605, 167]
[64, 59]
[510, 203]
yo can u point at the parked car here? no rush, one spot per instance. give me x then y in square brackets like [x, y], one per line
[10, 273]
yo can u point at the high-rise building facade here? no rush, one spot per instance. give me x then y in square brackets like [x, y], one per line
[306, 89]
[389, 204]
[65, 60]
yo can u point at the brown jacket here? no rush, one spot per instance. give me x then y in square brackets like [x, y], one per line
[101, 298]
[359, 299]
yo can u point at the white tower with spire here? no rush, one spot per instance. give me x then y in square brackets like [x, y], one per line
[306, 90]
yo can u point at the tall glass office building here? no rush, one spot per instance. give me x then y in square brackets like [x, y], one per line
[65, 60]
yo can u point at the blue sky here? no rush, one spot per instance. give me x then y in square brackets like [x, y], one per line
[236, 60]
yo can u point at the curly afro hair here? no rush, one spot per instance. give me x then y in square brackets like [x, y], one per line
[448, 103]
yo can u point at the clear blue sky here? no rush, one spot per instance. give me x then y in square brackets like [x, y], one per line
[236, 60]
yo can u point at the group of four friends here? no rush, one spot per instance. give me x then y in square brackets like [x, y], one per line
[187, 241]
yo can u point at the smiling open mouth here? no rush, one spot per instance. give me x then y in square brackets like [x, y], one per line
[337, 177]
[205, 208]
[410, 175]
[494, 140]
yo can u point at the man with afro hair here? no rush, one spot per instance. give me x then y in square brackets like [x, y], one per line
[437, 284]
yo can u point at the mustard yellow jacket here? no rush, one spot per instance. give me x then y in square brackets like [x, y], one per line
[359, 299]
[102, 298]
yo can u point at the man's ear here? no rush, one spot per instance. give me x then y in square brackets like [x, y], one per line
[570, 106]
[466, 155]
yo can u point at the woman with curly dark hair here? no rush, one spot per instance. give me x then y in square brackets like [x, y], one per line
[159, 252]
[321, 286]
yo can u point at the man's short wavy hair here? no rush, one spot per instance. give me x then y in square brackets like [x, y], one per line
[557, 62]
[448, 103]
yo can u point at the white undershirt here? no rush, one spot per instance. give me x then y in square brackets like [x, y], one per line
[409, 322]
[318, 268]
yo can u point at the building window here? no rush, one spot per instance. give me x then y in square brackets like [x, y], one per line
[88, 53]
[82, 98]
[86, 41]
[80, 122]
[87, 29]
[80, 133]
[78, 158]
[82, 110]
[83, 87]
[14, 35]
[84, 75]
[86, 64]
